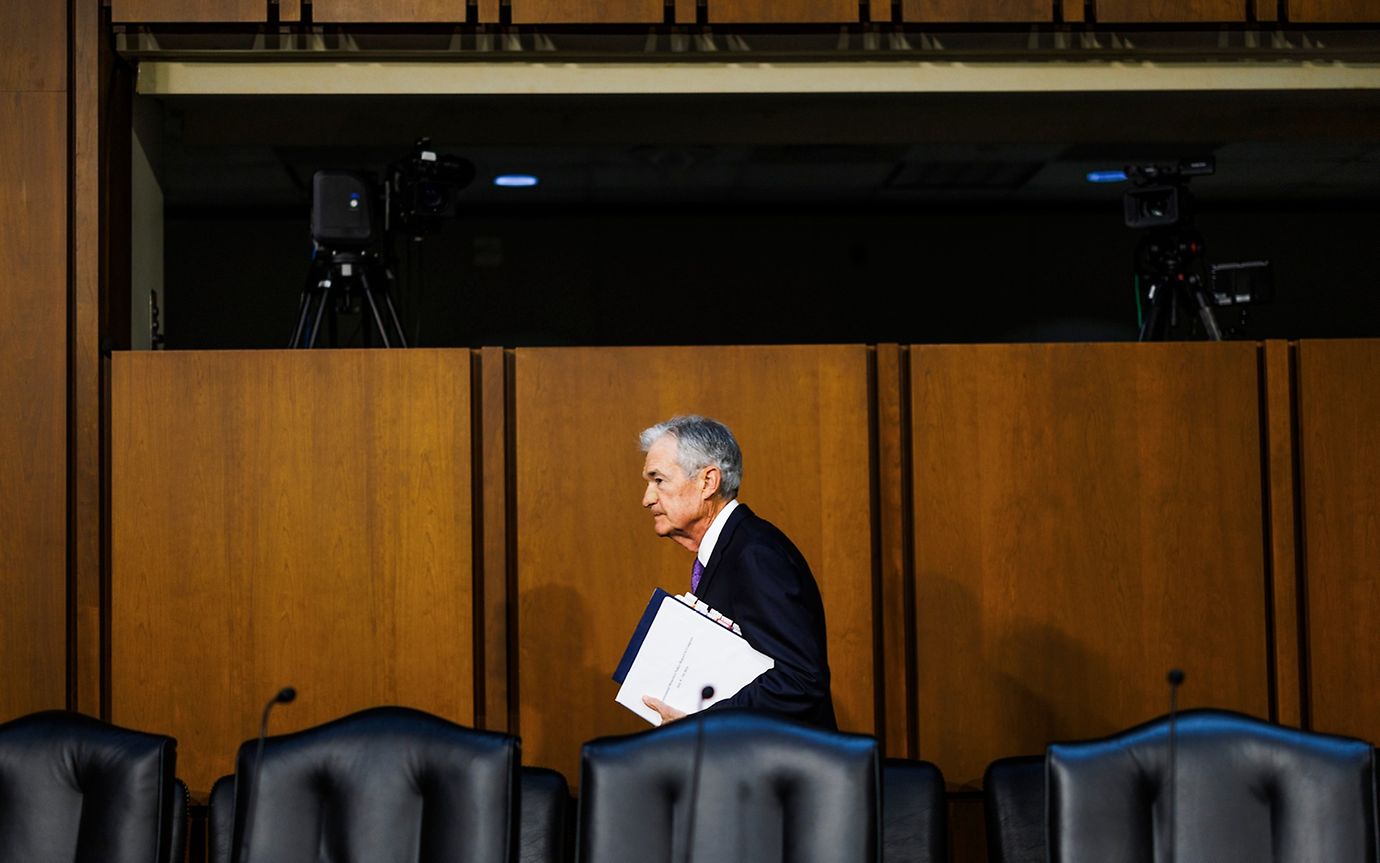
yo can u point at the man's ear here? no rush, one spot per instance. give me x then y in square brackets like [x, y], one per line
[709, 486]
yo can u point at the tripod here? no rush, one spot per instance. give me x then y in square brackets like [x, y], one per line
[1169, 262]
[341, 275]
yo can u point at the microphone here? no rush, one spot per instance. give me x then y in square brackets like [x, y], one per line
[705, 694]
[286, 695]
[1176, 679]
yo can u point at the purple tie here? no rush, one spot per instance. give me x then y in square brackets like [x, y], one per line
[695, 572]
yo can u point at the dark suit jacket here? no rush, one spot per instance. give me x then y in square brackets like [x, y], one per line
[759, 578]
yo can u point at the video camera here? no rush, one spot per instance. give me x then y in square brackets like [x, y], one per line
[354, 241]
[1169, 261]
[1161, 198]
[419, 192]
[424, 188]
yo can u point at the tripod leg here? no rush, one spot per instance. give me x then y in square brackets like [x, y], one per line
[320, 309]
[1153, 327]
[1207, 315]
[374, 308]
[303, 312]
[397, 325]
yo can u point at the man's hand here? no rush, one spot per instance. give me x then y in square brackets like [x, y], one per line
[668, 713]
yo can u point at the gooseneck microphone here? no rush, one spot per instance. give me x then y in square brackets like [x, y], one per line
[1176, 679]
[286, 695]
[705, 694]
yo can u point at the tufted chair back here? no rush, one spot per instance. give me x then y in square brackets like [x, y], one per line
[768, 789]
[1243, 790]
[386, 785]
[77, 790]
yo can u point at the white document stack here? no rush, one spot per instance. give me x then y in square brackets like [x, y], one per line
[681, 646]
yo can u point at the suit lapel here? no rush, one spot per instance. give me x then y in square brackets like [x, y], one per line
[735, 518]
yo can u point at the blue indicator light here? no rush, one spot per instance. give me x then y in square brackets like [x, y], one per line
[515, 181]
[1106, 176]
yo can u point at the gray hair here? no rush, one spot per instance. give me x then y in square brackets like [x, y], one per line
[700, 443]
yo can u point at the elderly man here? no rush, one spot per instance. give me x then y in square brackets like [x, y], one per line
[744, 567]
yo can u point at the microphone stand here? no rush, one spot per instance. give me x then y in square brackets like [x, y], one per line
[1176, 678]
[705, 694]
[285, 695]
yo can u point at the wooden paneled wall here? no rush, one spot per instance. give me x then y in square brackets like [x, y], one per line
[1168, 11]
[1334, 11]
[1014, 542]
[587, 558]
[588, 11]
[728, 12]
[280, 518]
[1086, 518]
[189, 11]
[986, 11]
[33, 356]
[1339, 474]
[392, 12]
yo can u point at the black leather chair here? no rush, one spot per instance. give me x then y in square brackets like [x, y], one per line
[548, 822]
[1241, 790]
[768, 789]
[388, 785]
[1013, 791]
[546, 831]
[913, 823]
[73, 788]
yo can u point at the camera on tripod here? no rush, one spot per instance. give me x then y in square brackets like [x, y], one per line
[353, 239]
[1170, 269]
[423, 189]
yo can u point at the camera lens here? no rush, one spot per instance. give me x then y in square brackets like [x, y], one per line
[431, 196]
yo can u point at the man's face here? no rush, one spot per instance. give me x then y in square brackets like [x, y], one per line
[679, 504]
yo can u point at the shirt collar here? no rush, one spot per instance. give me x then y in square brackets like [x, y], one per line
[711, 536]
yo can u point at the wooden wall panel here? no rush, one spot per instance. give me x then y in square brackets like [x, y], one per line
[1265, 10]
[587, 558]
[388, 11]
[96, 98]
[289, 10]
[783, 11]
[1339, 451]
[965, 11]
[1168, 11]
[896, 675]
[492, 430]
[188, 11]
[1086, 517]
[33, 389]
[1277, 366]
[1334, 11]
[588, 11]
[33, 47]
[286, 518]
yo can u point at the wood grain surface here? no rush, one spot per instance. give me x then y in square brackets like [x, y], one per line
[33, 389]
[783, 11]
[1086, 518]
[977, 11]
[1277, 366]
[1168, 11]
[283, 518]
[1339, 427]
[33, 48]
[1334, 11]
[388, 11]
[188, 11]
[588, 11]
[587, 558]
